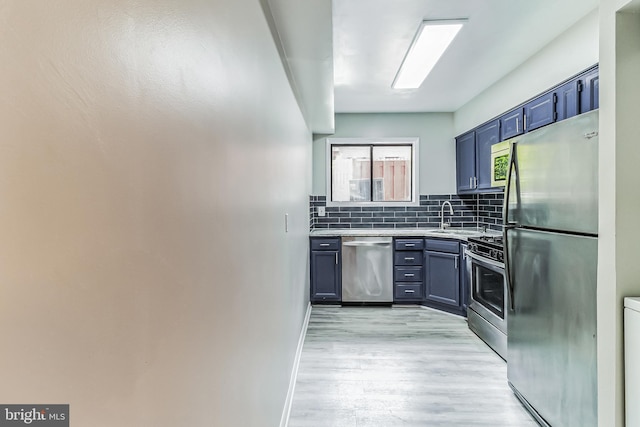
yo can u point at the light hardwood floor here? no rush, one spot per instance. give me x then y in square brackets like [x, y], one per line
[400, 366]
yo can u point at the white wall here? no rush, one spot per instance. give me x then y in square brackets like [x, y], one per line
[619, 234]
[573, 51]
[437, 147]
[149, 152]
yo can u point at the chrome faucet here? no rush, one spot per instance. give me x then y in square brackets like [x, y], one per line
[446, 202]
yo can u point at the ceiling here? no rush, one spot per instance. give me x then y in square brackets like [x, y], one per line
[365, 41]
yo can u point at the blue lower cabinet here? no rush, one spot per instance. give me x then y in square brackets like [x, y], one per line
[407, 292]
[408, 270]
[407, 274]
[442, 279]
[407, 258]
[326, 272]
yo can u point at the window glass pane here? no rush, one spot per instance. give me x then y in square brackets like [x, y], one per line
[350, 173]
[392, 173]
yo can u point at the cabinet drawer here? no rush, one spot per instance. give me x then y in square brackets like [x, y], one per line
[408, 291]
[443, 246]
[407, 274]
[332, 244]
[408, 258]
[409, 244]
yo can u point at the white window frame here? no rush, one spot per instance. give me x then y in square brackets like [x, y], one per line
[415, 193]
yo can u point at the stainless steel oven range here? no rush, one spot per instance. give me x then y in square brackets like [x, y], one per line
[487, 313]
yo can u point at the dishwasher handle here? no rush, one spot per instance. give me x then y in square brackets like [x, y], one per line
[365, 243]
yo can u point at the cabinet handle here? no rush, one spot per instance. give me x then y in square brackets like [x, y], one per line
[324, 244]
[456, 258]
[409, 245]
[475, 182]
[470, 182]
[525, 122]
[409, 258]
[409, 291]
[336, 258]
[409, 274]
[517, 124]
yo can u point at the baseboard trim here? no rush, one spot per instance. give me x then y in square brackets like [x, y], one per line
[286, 411]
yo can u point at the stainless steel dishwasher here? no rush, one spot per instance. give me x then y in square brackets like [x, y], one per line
[367, 269]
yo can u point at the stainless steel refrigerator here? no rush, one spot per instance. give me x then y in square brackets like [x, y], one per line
[551, 246]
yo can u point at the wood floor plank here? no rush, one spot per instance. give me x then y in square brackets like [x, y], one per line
[400, 366]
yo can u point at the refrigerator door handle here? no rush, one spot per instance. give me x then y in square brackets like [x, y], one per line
[507, 270]
[513, 165]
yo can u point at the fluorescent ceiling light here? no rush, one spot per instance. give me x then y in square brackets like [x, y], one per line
[430, 42]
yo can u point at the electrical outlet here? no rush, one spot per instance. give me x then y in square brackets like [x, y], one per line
[321, 211]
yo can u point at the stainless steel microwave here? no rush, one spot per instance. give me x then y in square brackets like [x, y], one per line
[500, 163]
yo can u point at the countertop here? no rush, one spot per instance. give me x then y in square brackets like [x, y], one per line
[451, 233]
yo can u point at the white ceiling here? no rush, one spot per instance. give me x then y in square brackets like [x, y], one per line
[371, 37]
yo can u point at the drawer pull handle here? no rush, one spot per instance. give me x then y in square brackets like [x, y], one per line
[325, 244]
[409, 274]
[409, 245]
[409, 291]
[409, 258]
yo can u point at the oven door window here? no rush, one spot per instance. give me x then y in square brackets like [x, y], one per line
[488, 289]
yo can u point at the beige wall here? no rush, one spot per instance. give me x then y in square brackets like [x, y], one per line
[573, 51]
[437, 148]
[619, 235]
[149, 152]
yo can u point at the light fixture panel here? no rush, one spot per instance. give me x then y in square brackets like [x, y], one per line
[430, 42]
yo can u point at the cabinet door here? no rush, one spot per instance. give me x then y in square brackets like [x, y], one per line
[540, 112]
[466, 161]
[568, 104]
[325, 276]
[443, 278]
[590, 95]
[486, 136]
[511, 124]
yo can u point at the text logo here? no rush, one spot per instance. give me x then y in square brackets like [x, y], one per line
[34, 415]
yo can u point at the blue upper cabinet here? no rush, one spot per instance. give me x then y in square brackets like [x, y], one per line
[540, 112]
[473, 158]
[512, 124]
[473, 149]
[486, 136]
[466, 162]
[568, 104]
[590, 95]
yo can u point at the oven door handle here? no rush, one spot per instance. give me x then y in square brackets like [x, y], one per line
[484, 260]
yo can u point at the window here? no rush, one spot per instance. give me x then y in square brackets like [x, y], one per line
[373, 172]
